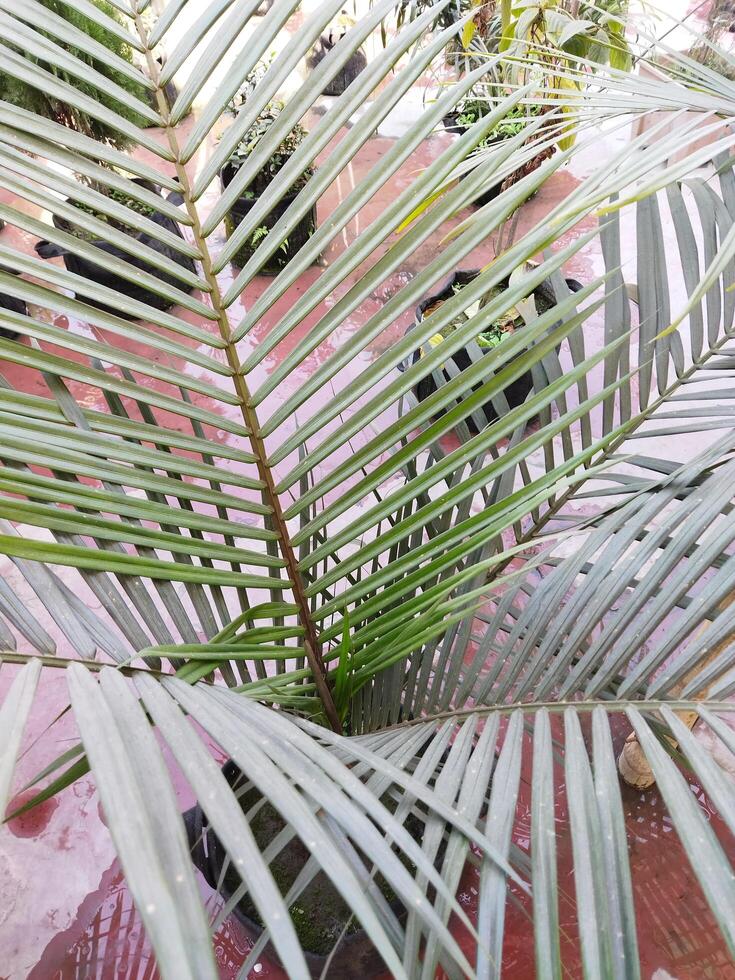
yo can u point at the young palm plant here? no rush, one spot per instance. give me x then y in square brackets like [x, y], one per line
[376, 623]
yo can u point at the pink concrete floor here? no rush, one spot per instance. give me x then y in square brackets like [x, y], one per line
[64, 909]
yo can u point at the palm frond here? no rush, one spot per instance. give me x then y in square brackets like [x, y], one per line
[458, 773]
[368, 600]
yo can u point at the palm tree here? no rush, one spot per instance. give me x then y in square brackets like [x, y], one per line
[376, 624]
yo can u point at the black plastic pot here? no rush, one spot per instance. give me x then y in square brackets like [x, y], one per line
[452, 126]
[82, 266]
[449, 122]
[298, 237]
[348, 73]
[15, 305]
[517, 391]
[319, 905]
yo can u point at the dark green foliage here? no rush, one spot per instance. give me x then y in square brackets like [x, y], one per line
[259, 186]
[513, 122]
[114, 195]
[410, 9]
[26, 96]
[267, 117]
[287, 148]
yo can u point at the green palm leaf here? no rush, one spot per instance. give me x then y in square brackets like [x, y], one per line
[379, 626]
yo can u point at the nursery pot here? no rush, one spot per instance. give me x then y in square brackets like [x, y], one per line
[13, 304]
[452, 126]
[449, 122]
[84, 267]
[297, 238]
[356, 63]
[319, 914]
[517, 391]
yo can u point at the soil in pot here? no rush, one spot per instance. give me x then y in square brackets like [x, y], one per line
[511, 320]
[319, 915]
[82, 266]
[298, 237]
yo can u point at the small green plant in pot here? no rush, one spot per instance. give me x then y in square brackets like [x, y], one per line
[554, 46]
[330, 936]
[471, 110]
[258, 187]
[502, 326]
[118, 92]
[85, 59]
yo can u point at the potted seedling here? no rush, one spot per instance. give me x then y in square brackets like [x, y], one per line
[491, 337]
[128, 103]
[471, 110]
[356, 63]
[99, 273]
[553, 46]
[258, 188]
[319, 914]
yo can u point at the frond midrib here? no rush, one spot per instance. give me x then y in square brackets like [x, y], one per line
[249, 414]
[585, 706]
